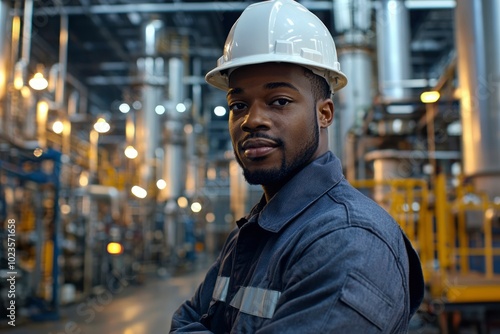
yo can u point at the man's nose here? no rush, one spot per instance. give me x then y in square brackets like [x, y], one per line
[256, 119]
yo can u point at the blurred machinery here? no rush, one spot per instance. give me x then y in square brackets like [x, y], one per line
[119, 164]
[443, 192]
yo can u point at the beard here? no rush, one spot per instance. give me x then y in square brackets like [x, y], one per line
[287, 169]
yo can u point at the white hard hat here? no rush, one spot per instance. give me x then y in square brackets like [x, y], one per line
[279, 31]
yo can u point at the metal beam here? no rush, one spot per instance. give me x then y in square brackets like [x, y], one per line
[432, 4]
[176, 7]
[233, 6]
[127, 80]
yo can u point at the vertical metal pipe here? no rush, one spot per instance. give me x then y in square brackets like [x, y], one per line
[478, 55]
[6, 118]
[442, 223]
[89, 240]
[190, 160]
[356, 97]
[29, 128]
[488, 243]
[27, 27]
[93, 154]
[152, 31]
[193, 159]
[148, 130]
[174, 172]
[176, 80]
[352, 15]
[63, 62]
[16, 34]
[73, 103]
[129, 129]
[42, 111]
[37, 271]
[393, 49]
[384, 168]
[139, 119]
[151, 70]
[352, 21]
[61, 85]
[175, 160]
[431, 139]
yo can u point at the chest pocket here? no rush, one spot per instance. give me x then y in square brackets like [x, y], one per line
[367, 300]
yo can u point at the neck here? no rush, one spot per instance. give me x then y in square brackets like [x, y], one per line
[270, 191]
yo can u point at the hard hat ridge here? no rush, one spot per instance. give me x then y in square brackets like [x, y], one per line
[291, 34]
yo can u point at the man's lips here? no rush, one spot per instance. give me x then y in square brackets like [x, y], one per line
[257, 147]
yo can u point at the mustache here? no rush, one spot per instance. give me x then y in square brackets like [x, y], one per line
[255, 135]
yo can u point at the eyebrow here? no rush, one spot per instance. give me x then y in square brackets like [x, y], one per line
[268, 86]
[274, 85]
[233, 91]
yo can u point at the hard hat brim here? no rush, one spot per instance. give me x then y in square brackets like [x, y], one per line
[219, 78]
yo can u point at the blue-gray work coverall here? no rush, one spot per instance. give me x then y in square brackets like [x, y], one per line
[320, 257]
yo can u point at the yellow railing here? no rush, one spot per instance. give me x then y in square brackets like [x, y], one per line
[452, 230]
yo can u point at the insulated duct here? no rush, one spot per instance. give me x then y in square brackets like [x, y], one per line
[394, 68]
[354, 100]
[353, 22]
[478, 54]
[151, 72]
[393, 49]
[174, 165]
[174, 146]
[27, 30]
[60, 94]
[194, 171]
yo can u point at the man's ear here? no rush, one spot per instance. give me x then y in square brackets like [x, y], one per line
[326, 111]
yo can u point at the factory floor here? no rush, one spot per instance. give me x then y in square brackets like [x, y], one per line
[136, 309]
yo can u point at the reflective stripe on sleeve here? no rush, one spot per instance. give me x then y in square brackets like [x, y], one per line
[256, 301]
[220, 289]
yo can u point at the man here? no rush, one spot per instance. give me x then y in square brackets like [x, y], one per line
[314, 255]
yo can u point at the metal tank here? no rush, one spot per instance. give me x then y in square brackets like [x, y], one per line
[353, 23]
[478, 54]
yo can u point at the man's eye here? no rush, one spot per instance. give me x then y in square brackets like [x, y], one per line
[280, 102]
[237, 106]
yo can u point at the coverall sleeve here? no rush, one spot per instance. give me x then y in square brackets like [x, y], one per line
[347, 281]
[187, 317]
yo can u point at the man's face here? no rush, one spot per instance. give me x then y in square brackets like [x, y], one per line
[273, 121]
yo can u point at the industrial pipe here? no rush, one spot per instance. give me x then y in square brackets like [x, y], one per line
[478, 55]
